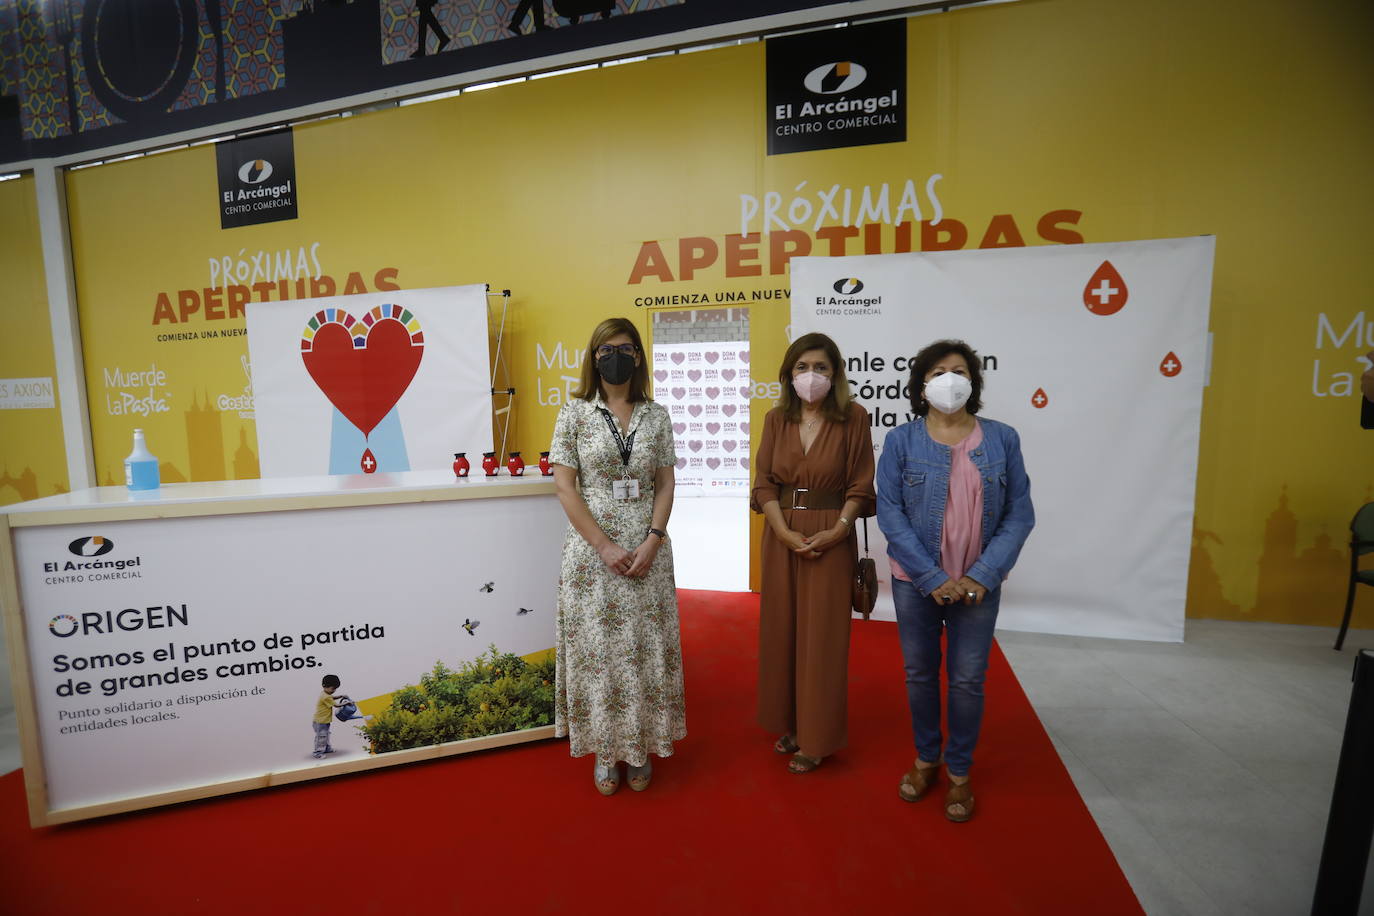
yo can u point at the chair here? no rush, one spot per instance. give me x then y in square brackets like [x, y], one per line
[1361, 542]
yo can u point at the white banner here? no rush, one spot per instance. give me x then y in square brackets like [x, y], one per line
[187, 652]
[705, 387]
[392, 381]
[1097, 355]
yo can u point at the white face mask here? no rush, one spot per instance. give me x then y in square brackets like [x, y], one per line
[948, 392]
[811, 386]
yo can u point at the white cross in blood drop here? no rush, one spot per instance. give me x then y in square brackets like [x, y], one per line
[1039, 399]
[1170, 366]
[369, 464]
[1105, 291]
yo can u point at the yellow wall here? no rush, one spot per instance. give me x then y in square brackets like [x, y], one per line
[32, 460]
[1137, 121]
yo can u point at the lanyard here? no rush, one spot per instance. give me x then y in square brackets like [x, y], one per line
[625, 446]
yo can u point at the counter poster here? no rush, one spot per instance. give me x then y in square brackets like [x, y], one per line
[1097, 355]
[706, 388]
[179, 653]
[388, 381]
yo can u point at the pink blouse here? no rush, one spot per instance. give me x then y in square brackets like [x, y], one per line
[961, 535]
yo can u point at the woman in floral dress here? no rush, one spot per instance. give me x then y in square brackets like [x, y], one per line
[619, 692]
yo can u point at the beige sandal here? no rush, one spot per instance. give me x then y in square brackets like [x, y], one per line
[639, 776]
[915, 782]
[786, 745]
[961, 795]
[607, 778]
[800, 763]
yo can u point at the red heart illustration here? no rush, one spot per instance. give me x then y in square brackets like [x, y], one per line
[713, 428]
[713, 393]
[694, 374]
[678, 358]
[713, 463]
[728, 445]
[679, 428]
[728, 409]
[364, 383]
[728, 374]
[694, 409]
[744, 356]
[679, 393]
[744, 391]
[712, 356]
[695, 445]
[744, 427]
[682, 462]
[661, 374]
[744, 463]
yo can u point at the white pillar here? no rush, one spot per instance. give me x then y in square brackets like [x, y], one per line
[50, 186]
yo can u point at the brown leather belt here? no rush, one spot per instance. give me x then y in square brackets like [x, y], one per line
[803, 498]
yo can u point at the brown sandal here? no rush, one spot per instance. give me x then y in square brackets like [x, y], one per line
[800, 763]
[915, 782]
[786, 745]
[962, 796]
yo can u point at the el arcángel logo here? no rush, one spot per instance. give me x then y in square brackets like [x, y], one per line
[848, 302]
[255, 171]
[832, 79]
[89, 569]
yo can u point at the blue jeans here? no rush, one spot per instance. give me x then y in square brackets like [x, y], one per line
[969, 631]
[321, 738]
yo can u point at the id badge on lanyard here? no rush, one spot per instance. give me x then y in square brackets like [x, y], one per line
[627, 487]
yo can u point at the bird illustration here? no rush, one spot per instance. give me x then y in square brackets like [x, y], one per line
[471, 626]
[523, 611]
[487, 587]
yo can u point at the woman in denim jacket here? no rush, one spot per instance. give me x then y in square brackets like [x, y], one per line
[954, 503]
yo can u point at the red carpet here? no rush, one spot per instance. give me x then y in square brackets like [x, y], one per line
[724, 829]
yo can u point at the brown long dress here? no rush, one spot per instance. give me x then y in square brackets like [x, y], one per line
[805, 608]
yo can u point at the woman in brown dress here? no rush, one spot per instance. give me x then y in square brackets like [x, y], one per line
[814, 478]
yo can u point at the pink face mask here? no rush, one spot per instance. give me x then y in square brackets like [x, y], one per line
[811, 386]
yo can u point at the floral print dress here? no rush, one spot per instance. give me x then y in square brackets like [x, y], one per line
[619, 686]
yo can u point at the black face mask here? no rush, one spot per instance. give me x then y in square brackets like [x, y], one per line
[616, 368]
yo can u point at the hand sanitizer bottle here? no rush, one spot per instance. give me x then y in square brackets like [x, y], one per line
[140, 468]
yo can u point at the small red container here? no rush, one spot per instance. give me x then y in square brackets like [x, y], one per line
[489, 463]
[460, 464]
[516, 465]
[544, 464]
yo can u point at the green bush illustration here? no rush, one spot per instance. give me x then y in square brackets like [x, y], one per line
[490, 695]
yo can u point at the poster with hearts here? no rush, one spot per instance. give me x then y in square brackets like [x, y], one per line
[392, 381]
[705, 387]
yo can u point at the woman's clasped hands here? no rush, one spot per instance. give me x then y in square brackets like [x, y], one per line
[962, 590]
[632, 563]
[811, 546]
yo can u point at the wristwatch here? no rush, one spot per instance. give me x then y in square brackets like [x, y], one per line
[662, 535]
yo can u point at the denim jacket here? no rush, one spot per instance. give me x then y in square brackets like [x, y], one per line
[913, 487]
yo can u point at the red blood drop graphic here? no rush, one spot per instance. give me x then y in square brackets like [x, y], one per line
[1170, 366]
[1106, 292]
[368, 462]
[1040, 399]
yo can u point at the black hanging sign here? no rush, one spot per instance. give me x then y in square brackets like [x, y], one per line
[837, 87]
[257, 179]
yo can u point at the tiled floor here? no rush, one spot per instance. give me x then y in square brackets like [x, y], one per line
[1207, 764]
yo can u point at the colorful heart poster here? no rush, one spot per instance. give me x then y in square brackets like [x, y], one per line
[391, 381]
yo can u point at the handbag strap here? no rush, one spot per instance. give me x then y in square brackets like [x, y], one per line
[865, 535]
